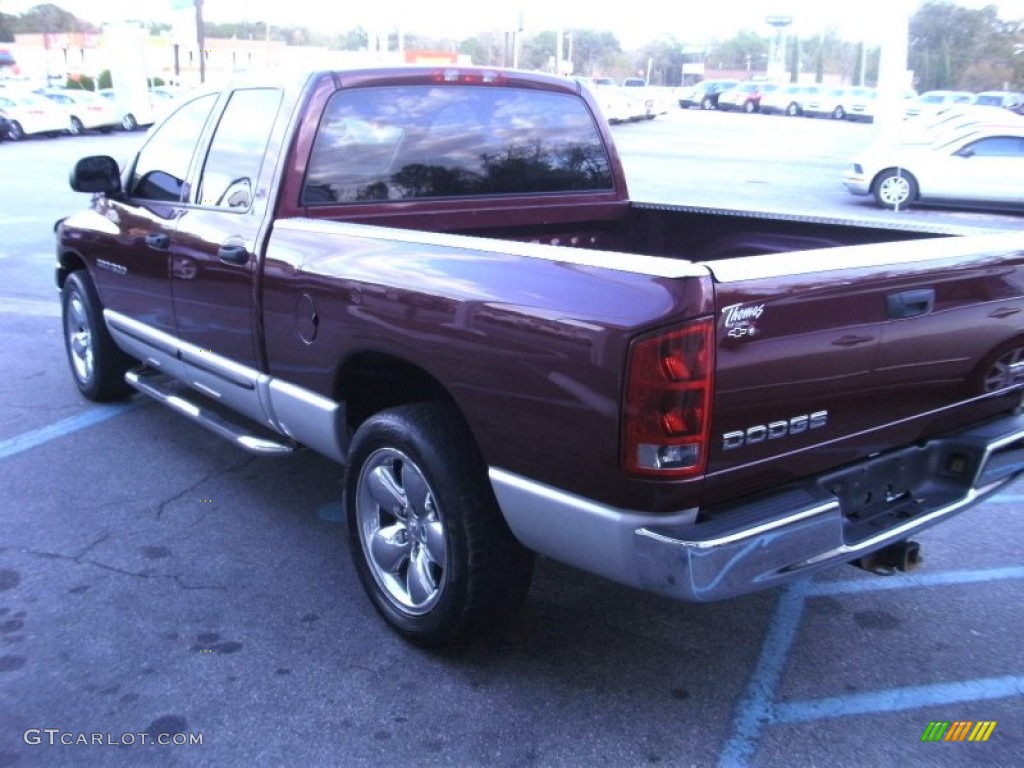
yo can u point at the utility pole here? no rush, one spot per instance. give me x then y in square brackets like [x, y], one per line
[201, 40]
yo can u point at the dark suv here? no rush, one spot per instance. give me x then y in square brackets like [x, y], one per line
[705, 94]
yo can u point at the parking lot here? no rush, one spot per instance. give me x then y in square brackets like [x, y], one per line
[156, 581]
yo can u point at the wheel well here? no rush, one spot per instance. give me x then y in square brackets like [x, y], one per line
[68, 263]
[371, 382]
[975, 381]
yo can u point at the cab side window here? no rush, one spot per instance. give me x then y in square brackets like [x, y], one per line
[163, 163]
[236, 153]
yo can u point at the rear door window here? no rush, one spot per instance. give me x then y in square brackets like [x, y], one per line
[237, 150]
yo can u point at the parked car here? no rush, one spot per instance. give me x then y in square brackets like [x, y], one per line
[861, 103]
[955, 120]
[129, 119]
[827, 101]
[705, 94]
[932, 101]
[745, 97]
[86, 111]
[1006, 99]
[787, 100]
[981, 167]
[864, 103]
[616, 106]
[29, 114]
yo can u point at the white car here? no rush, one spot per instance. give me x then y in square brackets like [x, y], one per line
[931, 102]
[980, 167]
[787, 100]
[28, 114]
[828, 101]
[955, 120]
[861, 101]
[616, 106]
[86, 111]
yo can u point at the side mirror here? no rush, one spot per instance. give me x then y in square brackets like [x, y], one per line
[98, 173]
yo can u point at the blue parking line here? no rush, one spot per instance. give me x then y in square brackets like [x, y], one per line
[909, 581]
[754, 709]
[15, 445]
[757, 709]
[897, 699]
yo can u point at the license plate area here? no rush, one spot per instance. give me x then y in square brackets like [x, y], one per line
[888, 490]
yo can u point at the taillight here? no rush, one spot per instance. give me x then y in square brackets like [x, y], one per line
[667, 408]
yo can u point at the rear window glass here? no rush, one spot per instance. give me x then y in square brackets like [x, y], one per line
[407, 142]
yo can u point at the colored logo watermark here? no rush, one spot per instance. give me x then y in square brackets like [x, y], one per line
[958, 730]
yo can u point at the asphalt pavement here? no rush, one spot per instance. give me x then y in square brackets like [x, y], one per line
[168, 600]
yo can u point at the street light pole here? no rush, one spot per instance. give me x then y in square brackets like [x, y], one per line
[201, 40]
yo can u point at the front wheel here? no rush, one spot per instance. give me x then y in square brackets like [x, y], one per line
[707, 103]
[75, 127]
[129, 123]
[793, 110]
[97, 364]
[749, 107]
[15, 132]
[895, 189]
[429, 543]
[838, 113]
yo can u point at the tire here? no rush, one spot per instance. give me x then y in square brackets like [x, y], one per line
[749, 107]
[707, 103]
[97, 364]
[129, 123]
[75, 127]
[894, 189]
[429, 543]
[838, 113]
[793, 110]
[15, 132]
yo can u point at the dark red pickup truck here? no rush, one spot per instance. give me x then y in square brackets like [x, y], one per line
[436, 277]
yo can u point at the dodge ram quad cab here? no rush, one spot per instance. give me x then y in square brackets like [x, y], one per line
[436, 277]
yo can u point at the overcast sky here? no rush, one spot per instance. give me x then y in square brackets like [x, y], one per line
[688, 22]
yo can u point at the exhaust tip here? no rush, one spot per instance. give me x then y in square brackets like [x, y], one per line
[903, 556]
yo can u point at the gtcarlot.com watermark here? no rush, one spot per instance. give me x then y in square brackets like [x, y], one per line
[57, 737]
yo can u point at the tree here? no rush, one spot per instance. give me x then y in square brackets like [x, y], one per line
[829, 54]
[666, 61]
[745, 51]
[946, 40]
[594, 52]
[7, 27]
[49, 18]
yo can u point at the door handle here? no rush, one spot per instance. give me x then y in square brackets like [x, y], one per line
[160, 242]
[852, 341]
[913, 303]
[236, 255]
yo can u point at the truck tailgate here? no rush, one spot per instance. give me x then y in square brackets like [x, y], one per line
[824, 357]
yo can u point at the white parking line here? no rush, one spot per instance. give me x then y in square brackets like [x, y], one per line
[30, 307]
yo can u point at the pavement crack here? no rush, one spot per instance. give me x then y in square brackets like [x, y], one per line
[176, 578]
[204, 479]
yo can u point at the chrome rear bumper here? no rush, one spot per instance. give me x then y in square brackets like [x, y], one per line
[755, 544]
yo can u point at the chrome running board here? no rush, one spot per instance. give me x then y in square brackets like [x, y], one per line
[175, 395]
